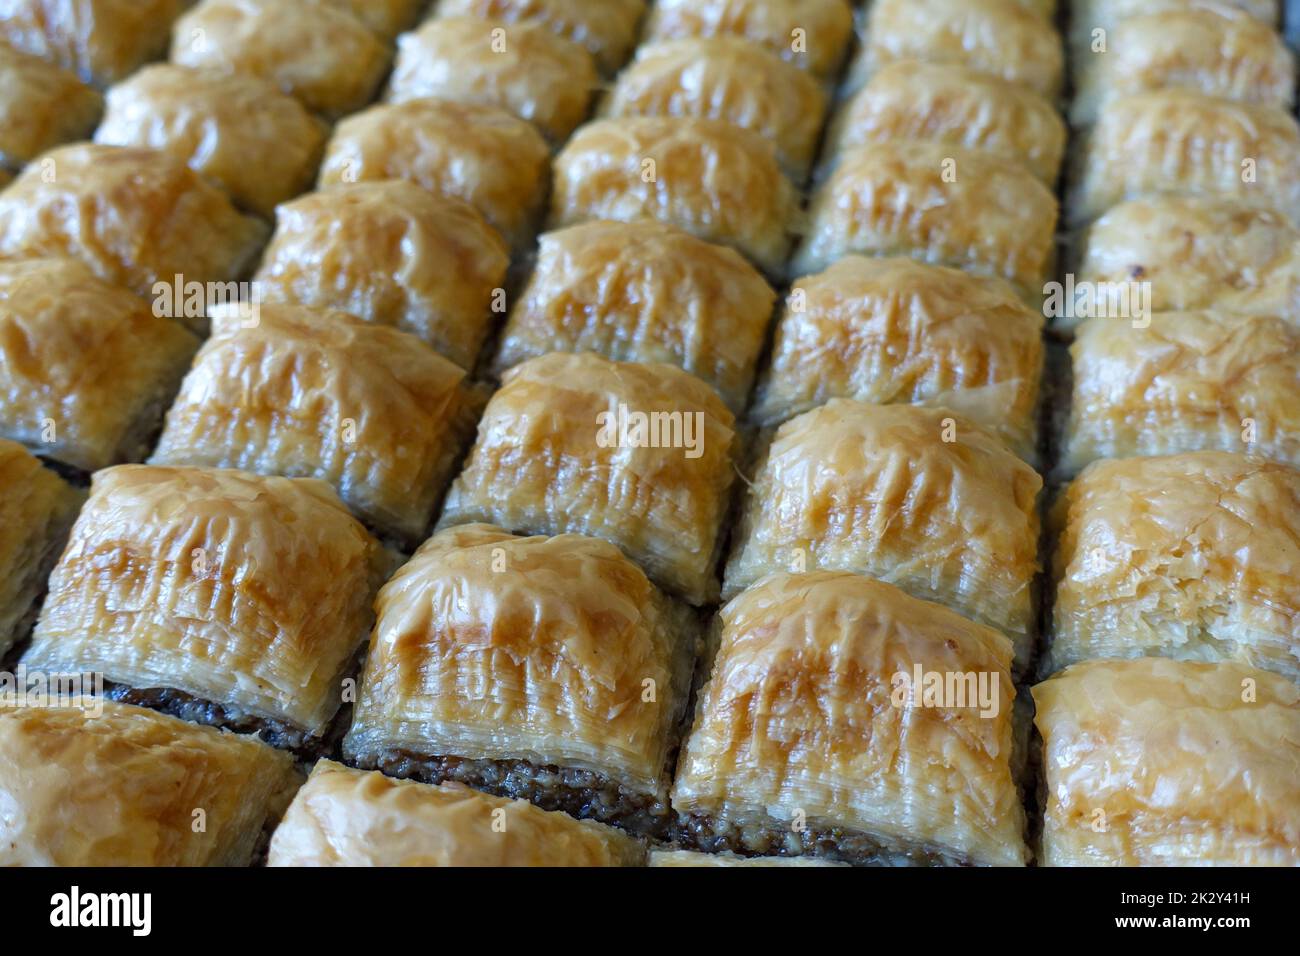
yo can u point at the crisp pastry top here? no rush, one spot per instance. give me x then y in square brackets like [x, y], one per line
[896, 330]
[727, 78]
[1195, 252]
[85, 366]
[1193, 556]
[608, 29]
[320, 394]
[41, 106]
[228, 586]
[260, 145]
[1187, 381]
[955, 207]
[714, 180]
[644, 291]
[1177, 140]
[102, 41]
[107, 784]
[496, 162]
[1217, 50]
[1004, 38]
[640, 455]
[524, 67]
[36, 508]
[135, 216]
[812, 34]
[394, 254]
[956, 106]
[1088, 16]
[804, 711]
[689, 858]
[554, 650]
[317, 51]
[385, 18]
[915, 496]
[345, 817]
[1173, 762]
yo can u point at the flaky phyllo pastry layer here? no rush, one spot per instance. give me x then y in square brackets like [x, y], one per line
[1156, 762]
[1088, 16]
[321, 54]
[807, 739]
[41, 106]
[554, 651]
[249, 592]
[1193, 556]
[956, 106]
[1186, 381]
[640, 455]
[99, 783]
[260, 145]
[716, 181]
[1196, 252]
[345, 817]
[919, 497]
[394, 254]
[898, 331]
[1175, 140]
[523, 67]
[935, 203]
[727, 78]
[493, 160]
[36, 510]
[135, 216]
[824, 27]
[643, 292]
[86, 367]
[309, 393]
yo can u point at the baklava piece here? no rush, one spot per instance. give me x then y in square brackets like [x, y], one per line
[1215, 50]
[522, 67]
[496, 162]
[344, 817]
[731, 79]
[219, 596]
[102, 41]
[97, 783]
[310, 393]
[1087, 17]
[644, 292]
[1182, 141]
[36, 510]
[957, 107]
[812, 34]
[1003, 38]
[607, 30]
[914, 496]
[952, 207]
[392, 254]
[1192, 556]
[548, 669]
[690, 858]
[86, 368]
[1187, 381]
[138, 217]
[821, 730]
[1156, 762]
[897, 331]
[41, 106]
[716, 181]
[1195, 252]
[640, 455]
[315, 51]
[258, 144]
[384, 18]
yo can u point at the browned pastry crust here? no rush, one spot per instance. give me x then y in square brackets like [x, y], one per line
[385, 18]
[643, 291]
[640, 455]
[136, 216]
[807, 742]
[96, 783]
[41, 106]
[345, 817]
[1088, 16]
